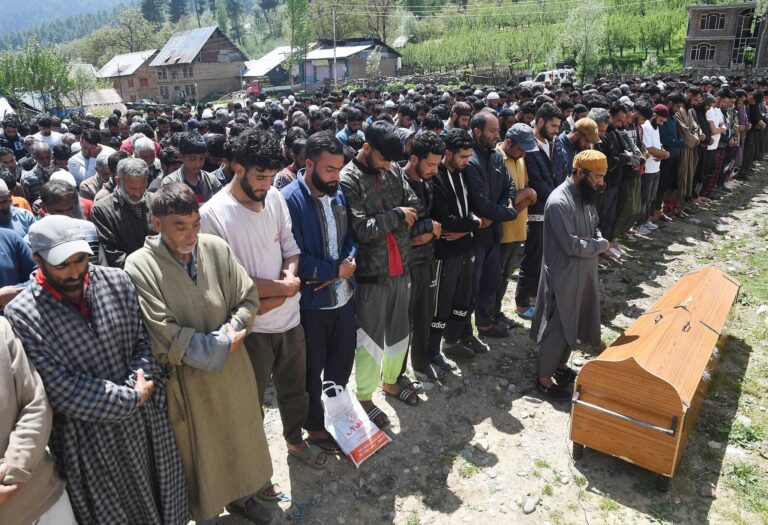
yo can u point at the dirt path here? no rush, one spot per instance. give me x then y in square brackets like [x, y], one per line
[482, 445]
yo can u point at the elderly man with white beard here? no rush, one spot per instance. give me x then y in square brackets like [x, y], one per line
[122, 217]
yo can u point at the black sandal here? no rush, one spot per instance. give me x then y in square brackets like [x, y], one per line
[253, 511]
[374, 414]
[327, 444]
[405, 382]
[405, 395]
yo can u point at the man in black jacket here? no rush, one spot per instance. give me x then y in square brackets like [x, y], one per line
[541, 177]
[121, 217]
[426, 153]
[491, 197]
[454, 251]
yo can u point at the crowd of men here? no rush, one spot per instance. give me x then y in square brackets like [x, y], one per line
[159, 269]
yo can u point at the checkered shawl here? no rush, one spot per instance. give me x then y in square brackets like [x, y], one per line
[119, 459]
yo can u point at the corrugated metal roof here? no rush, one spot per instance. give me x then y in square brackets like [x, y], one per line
[262, 66]
[106, 98]
[183, 47]
[341, 52]
[125, 64]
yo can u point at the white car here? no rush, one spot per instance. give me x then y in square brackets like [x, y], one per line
[553, 76]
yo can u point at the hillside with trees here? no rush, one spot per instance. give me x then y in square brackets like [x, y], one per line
[21, 16]
[484, 38]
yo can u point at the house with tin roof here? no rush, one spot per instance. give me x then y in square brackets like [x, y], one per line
[131, 75]
[351, 57]
[197, 63]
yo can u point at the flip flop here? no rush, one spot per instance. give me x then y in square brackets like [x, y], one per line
[528, 314]
[263, 496]
[375, 413]
[253, 511]
[309, 456]
[404, 396]
[327, 444]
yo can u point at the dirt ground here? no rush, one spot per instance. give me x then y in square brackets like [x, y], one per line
[482, 445]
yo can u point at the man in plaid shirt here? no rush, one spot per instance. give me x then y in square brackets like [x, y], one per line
[82, 330]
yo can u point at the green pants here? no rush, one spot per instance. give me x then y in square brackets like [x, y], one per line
[383, 333]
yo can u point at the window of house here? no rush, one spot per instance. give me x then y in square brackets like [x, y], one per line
[130, 82]
[164, 91]
[704, 52]
[192, 90]
[143, 82]
[161, 73]
[712, 21]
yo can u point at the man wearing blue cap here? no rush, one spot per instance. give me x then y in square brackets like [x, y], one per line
[111, 439]
[518, 141]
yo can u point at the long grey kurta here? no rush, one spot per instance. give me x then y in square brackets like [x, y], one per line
[214, 415]
[119, 458]
[569, 280]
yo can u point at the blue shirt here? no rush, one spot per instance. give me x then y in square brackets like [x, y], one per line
[16, 262]
[345, 133]
[21, 220]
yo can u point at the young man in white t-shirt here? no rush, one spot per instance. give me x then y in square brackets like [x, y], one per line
[717, 128]
[253, 218]
[649, 183]
[45, 134]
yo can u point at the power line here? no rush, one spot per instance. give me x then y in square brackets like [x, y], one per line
[493, 11]
[501, 5]
[362, 12]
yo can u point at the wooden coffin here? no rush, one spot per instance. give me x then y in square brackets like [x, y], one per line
[639, 399]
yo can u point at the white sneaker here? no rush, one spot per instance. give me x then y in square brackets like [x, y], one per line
[616, 253]
[643, 230]
[651, 226]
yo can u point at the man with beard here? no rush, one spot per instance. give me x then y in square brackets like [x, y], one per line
[381, 206]
[491, 197]
[691, 134]
[461, 113]
[583, 134]
[81, 328]
[541, 177]
[327, 267]
[10, 137]
[52, 138]
[426, 153]
[568, 300]
[656, 154]
[32, 180]
[193, 153]
[253, 218]
[122, 216]
[197, 303]
[59, 197]
[454, 252]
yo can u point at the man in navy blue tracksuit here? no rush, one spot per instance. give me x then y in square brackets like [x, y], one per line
[326, 268]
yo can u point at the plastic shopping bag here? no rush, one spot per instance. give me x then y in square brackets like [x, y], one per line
[349, 425]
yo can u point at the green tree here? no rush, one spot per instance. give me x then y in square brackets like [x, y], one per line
[152, 10]
[40, 69]
[221, 16]
[177, 9]
[234, 10]
[300, 32]
[348, 22]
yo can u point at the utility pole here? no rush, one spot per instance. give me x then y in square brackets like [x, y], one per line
[333, 14]
[194, 2]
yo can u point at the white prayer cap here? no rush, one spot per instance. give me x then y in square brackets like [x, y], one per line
[64, 176]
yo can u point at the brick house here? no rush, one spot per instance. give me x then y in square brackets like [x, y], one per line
[725, 36]
[197, 63]
[131, 76]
